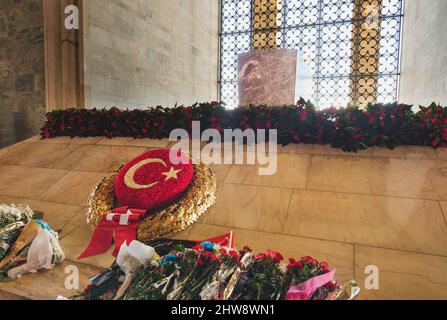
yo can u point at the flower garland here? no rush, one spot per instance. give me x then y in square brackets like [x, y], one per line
[350, 129]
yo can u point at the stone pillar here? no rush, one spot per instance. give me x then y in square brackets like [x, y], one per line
[63, 57]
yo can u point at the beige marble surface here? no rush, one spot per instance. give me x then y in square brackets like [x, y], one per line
[409, 178]
[94, 158]
[249, 207]
[404, 224]
[291, 173]
[376, 207]
[403, 275]
[49, 284]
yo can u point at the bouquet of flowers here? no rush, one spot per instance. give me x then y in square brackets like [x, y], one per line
[211, 272]
[14, 213]
[8, 235]
[179, 275]
[264, 279]
[298, 272]
[27, 244]
[215, 288]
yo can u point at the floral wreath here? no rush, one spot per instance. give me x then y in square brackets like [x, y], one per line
[163, 222]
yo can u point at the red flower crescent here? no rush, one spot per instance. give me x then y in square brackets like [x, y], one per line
[151, 180]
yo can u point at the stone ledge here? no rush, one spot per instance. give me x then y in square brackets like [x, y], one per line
[46, 285]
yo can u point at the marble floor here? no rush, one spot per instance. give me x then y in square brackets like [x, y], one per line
[377, 207]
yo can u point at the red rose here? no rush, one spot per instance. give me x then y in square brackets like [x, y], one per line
[331, 286]
[434, 143]
[234, 254]
[309, 260]
[214, 257]
[276, 256]
[261, 256]
[303, 115]
[245, 250]
[325, 267]
[444, 133]
[210, 255]
[294, 264]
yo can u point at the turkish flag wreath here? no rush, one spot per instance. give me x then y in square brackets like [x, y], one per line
[146, 183]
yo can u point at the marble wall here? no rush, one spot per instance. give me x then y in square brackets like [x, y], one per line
[150, 52]
[22, 87]
[424, 52]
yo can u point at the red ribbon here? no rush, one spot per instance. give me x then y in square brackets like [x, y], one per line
[226, 240]
[121, 221]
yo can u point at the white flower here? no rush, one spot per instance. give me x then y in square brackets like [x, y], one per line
[58, 253]
[14, 213]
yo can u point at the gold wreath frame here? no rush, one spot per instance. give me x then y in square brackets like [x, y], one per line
[165, 222]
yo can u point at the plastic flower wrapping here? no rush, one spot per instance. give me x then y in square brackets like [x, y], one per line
[27, 243]
[183, 270]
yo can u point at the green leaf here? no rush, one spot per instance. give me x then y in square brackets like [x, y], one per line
[38, 215]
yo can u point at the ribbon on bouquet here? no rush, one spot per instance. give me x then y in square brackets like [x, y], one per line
[226, 240]
[305, 290]
[122, 222]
